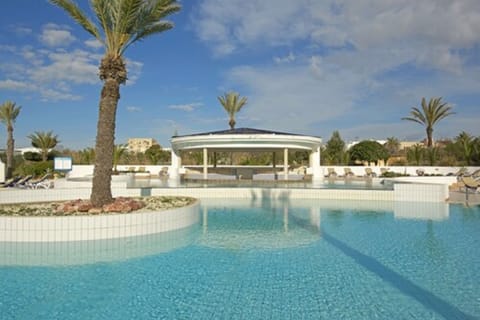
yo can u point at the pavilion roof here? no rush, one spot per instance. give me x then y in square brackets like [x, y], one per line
[237, 131]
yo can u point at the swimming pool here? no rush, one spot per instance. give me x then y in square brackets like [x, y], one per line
[262, 259]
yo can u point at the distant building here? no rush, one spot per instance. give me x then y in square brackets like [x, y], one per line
[409, 144]
[137, 145]
[22, 151]
[352, 143]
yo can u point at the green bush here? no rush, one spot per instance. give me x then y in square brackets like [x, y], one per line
[391, 174]
[34, 168]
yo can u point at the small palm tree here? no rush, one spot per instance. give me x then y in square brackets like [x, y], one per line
[87, 156]
[45, 141]
[118, 152]
[415, 153]
[232, 103]
[430, 114]
[466, 142]
[392, 145]
[120, 24]
[9, 112]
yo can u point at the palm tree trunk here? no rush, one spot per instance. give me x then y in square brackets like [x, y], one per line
[10, 151]
[102, 173]
[429, 137]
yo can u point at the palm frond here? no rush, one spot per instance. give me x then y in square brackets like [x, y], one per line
[74, 11]
[156, 28]
[9, 112]
[149, 19]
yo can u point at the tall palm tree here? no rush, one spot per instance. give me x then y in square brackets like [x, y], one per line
[430, 114]
[45, 141]
[232, 103]
[120, 23]
[9, 112]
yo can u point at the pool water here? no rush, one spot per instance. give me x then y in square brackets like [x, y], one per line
[261, 259]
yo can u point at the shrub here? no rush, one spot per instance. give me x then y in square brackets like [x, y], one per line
[391, 174]
[34, 168]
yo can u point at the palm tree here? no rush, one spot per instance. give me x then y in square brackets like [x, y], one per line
[415, 153]
[392, 145]
[9, 112]
[120, 24]
[86, 156]
[232, 104]
[466, 142]
[118, 152]
[44, 141]
[430, 114]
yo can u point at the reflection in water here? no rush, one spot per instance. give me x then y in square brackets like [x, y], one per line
[264, 224]
[421, 210]
[155, 182]
[225, 223]
[86, 252]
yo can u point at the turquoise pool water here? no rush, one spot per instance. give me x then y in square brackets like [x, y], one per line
[261, 259]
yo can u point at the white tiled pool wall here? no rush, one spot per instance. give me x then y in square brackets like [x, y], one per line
[55, 229]
[76, 228]
[416, 192]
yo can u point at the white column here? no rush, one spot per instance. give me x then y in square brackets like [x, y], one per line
[175, 167]
[285, 163]
[205, 163]
[315, 164]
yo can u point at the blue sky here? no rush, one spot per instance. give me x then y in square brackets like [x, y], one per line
[306, 66]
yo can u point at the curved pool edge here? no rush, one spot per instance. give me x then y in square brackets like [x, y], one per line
[96, 227]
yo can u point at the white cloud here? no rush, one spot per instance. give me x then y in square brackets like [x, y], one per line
[429, 33]
[133, 109]
[76, 66]
[289, 58]
[93, 43]
[55, 36]
[10, 84]
[48, 94]
[134, 69]
[355, 61]
[295, 96]
[189, 107]
[23, 31]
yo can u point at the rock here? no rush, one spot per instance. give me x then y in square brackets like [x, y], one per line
[95, 211]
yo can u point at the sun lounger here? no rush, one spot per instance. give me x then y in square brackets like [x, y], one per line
[331, 173]
[163, 172]
[476, 174]
[22, 183]
[10, 182]
[471, 184]
[369, 173]
[44, 182]
[348, 173]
